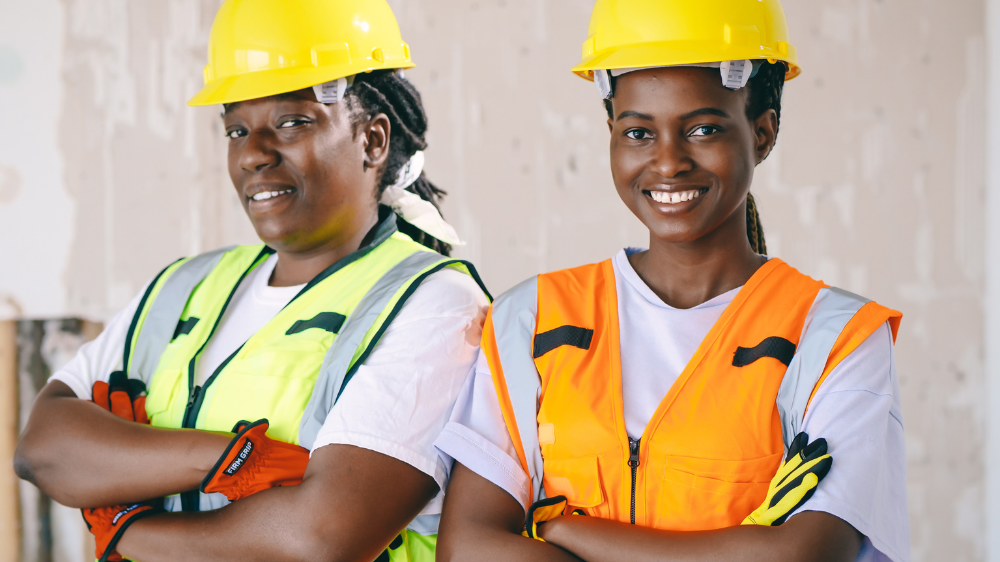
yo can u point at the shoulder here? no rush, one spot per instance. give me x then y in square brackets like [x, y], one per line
[869, 367]
[448, 292]
[578, 280]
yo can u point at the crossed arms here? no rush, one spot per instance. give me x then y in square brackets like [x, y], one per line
[481, 521]
[352, 501]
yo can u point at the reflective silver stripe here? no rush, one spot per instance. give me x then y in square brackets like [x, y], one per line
[338, 357]
[425, 524]
[165, 312]
[827, 318]
[514, 315]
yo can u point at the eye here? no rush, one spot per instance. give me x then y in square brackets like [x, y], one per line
[637, 134]
[234, 134]
[704, 131]
[289, 123]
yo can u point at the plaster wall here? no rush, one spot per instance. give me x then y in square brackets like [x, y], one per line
[877, 184]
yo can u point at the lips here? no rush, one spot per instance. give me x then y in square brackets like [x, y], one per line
[675, 197]
[260, 192]
[265, 195]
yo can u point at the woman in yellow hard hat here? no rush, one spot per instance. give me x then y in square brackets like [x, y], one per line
[644, 407]
[334, 352]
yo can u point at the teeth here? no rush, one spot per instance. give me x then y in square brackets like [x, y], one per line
[264, 195]
[674, 197]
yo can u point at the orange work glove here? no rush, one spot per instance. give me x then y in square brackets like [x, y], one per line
[108, 524]
[122, 396]
[253, 462]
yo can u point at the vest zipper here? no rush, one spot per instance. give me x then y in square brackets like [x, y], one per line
[187, 422]
[633, 463]
[191, 501]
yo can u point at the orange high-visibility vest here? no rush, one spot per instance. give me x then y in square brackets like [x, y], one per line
[707, 455]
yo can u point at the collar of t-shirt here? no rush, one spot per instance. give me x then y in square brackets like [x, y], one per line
[657, 341]
[253, 305]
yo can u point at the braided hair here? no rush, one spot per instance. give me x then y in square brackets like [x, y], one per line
[389, 93]
[763, 93]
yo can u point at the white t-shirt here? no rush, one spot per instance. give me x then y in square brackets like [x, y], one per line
[857, 410]
[399, 399]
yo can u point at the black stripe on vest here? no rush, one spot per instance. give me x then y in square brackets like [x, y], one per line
[774, 346]
[329, 321]
[184, 327]
[563, 335]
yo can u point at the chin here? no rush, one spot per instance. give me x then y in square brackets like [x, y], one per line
[275, 237]
[673, 233]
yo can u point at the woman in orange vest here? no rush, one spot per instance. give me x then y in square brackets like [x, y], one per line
[639, 408]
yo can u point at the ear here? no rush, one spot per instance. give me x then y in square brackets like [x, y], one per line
[765, 129]
[376, 134]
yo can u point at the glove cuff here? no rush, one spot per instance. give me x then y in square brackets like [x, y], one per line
[230, 459]
[530, 525]
[135, 516]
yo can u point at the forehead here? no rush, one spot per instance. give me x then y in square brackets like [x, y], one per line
[675, 90]
[299, 96]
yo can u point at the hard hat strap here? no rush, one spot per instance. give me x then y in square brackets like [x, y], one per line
[333, 91]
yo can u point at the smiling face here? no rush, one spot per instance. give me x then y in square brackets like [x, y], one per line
[306, 177]
[683, 152]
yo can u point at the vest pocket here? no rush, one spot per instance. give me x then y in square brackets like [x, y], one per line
[703, 494]
[162, 393]
[240, 395]
[299, 356]
[577, 479]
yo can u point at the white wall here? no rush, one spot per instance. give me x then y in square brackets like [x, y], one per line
[36, 210]
[877, 184]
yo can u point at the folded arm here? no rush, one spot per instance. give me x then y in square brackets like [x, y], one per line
[352, 503]
[483, 522]
[812, 536]
[82, 455]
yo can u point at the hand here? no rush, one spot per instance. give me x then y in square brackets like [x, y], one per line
[108, 524]
[253, 462]
[797, 478]
[542, 511]
[122, 396]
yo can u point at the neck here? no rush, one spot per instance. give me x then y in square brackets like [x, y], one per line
[300, 267]
[687, 274]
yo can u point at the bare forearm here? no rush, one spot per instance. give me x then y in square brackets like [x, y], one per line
[811, 536]
[267, 526]
[481, 522]
[482, 543]
[350, 505]
[84, 456]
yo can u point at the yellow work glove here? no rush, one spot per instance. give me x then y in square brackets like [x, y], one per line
[544, 510]
[805, 465]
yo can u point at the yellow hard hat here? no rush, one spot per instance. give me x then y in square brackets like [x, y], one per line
[627, 34]
[261, 48]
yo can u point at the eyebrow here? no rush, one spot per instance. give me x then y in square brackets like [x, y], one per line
[281, 97]
[686, 116]
[705, 111]
[635, 114]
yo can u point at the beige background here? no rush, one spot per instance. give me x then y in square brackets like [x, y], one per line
[877, 184]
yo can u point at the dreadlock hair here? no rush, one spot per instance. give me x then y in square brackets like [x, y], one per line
[389, 93]
[763, 93]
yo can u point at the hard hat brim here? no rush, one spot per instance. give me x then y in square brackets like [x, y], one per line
[671, 53]
[273, 82]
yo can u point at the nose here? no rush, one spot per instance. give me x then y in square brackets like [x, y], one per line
[671, 158]
[259, 152]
